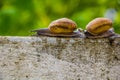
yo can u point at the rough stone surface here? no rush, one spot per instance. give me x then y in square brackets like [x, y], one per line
[48, 58]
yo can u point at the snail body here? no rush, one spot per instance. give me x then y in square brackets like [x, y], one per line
[99, 27]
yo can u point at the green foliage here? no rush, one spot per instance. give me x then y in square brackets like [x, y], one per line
[19, 17]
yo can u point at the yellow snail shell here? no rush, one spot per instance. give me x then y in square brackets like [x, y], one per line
[63, 25]
[98, 26]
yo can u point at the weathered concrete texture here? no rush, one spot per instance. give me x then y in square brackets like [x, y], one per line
[48, 58]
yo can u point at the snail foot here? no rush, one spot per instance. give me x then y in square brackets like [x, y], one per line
[47, 32]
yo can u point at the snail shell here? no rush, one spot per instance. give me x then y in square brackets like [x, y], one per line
[99, 26]
[63, 25]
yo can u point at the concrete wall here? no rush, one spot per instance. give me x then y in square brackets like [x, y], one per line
[48, 58]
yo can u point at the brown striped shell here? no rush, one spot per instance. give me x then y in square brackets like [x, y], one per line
[99, 26]
[63, 25]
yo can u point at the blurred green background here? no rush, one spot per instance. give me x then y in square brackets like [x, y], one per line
[19, 17]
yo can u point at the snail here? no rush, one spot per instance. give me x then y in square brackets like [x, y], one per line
[62, 27]
[99, 28]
